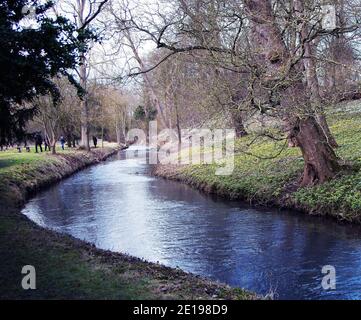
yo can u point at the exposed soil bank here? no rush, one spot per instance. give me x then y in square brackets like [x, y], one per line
[68, 268]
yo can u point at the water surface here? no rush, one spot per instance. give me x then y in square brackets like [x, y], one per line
[117, 205]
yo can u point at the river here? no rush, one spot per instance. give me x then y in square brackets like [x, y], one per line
[119, 206]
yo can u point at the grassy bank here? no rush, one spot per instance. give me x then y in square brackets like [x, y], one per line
[273, 181]
[22, 174]
[67, 268]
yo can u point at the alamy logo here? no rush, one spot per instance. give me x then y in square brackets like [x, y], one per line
[329, 280]
[29, 12]
[196, 146]
[328, 17]
[29, 19]
[29, 280]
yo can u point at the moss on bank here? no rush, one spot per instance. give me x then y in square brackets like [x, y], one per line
[274, 180]
[68, 268]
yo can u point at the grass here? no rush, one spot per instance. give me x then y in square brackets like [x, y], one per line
[67, 268]
[24, 173]
[269, 181]
[70, 269]
[62, 271]
[12, 157]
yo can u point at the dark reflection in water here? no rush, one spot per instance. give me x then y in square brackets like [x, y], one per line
[118, 206]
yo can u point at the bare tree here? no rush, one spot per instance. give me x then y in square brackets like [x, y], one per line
[58, 118]
[111, 111]
[274, 57]
[119, 11]
[84, 12]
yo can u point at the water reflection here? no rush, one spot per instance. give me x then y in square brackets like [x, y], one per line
[118, 206]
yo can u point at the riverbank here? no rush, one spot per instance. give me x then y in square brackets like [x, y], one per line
[267, 174]
[23, 174]
[68, 268]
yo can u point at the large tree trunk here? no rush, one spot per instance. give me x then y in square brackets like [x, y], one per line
[311, 75]
[320, 161]
[120, 134]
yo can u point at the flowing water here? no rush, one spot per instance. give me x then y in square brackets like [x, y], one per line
[119, 206]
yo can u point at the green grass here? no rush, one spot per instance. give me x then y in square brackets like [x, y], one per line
[71, 269]
[12, 157]
[342, 196]
[62, 271]
[28, 171]
[267, 181]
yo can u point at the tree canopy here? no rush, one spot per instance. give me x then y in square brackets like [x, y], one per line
[30, 57]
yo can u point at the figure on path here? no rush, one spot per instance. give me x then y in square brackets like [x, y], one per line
[95, 141]
[38, 142]
[62, 142]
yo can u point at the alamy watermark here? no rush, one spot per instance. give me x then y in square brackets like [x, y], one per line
[29, 20]
[328, 17]
[329, 280]
[197, 146]
[28, 281]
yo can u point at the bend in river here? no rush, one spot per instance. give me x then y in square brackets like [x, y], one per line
[118, 206]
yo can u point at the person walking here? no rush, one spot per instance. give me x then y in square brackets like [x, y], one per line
[95, 141]
[38, 142]
[62, 142]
